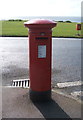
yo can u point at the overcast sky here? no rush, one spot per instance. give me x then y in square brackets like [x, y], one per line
[12, 8]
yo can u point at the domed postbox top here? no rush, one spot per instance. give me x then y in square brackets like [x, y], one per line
[40, 23]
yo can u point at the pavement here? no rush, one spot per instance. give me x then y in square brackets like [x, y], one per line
[17, 104]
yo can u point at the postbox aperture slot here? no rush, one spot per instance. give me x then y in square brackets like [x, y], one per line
[41, 38]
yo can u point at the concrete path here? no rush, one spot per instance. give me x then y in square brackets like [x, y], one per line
[16, 104]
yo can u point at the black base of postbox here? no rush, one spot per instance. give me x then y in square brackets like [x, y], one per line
[40, 96]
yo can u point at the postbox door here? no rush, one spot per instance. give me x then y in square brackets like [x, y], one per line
[40, 62]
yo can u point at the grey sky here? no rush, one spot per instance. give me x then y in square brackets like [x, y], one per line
[12, 8]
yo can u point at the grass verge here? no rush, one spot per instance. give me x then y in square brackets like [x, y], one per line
[16, 28]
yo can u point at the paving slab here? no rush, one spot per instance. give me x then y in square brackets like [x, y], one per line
[16, 104]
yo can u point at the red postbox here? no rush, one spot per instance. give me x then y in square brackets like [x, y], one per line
[40, 48]
[78, 26]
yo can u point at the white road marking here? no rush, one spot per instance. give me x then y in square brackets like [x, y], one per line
[70, 39]
[69, 84]
[54, 38]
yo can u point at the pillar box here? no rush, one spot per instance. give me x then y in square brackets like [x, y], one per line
[40, 52]
[78, 26]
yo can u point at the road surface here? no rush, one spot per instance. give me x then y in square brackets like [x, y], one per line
[66, 60]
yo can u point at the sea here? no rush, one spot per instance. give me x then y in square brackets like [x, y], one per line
[54, 18]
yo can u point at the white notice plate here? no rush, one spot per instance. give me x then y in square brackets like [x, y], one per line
[41, 51]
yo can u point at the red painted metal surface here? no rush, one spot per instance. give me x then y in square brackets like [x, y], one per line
[78, 26]
[40, 34]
